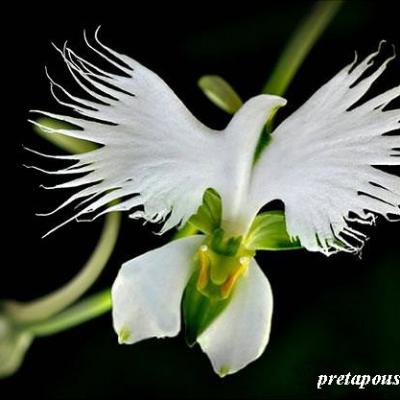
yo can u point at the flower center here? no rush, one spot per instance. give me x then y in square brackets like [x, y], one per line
[221, 263]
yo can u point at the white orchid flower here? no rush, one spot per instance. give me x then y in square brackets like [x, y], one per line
[160, 161]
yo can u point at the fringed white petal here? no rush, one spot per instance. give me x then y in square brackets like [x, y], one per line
[147, 293]
[240, 334]
[156, 156]
[322, 161]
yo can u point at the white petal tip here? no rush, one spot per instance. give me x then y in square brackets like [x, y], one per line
[124, 336]
[224, 370]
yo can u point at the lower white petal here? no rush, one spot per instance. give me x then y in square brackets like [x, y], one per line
[240, 334]
[147, 293]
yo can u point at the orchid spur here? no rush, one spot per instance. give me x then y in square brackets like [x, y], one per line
[164, 166]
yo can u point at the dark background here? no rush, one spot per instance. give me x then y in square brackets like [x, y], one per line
[332, 315]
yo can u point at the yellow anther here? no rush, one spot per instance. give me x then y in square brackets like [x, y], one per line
[228, 285]
[244, 261]
[204, 262]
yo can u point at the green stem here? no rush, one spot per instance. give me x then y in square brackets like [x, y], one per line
[79, 313]
[66, 143]
[303, 39]
[85, 310]
[56, 301]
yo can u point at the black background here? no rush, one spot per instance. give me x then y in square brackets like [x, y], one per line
[334, 315]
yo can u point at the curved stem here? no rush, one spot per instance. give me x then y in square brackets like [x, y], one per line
[66, 143]
[56, 301]
[85, 310]
[300, 44]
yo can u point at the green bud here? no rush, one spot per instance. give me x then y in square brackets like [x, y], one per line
[220, 92]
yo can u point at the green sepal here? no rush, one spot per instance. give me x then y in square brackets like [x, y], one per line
[199, 310]
[220, 92]
[208, 216]
[268, 232]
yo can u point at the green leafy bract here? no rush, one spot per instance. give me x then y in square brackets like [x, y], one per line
[268, 232]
